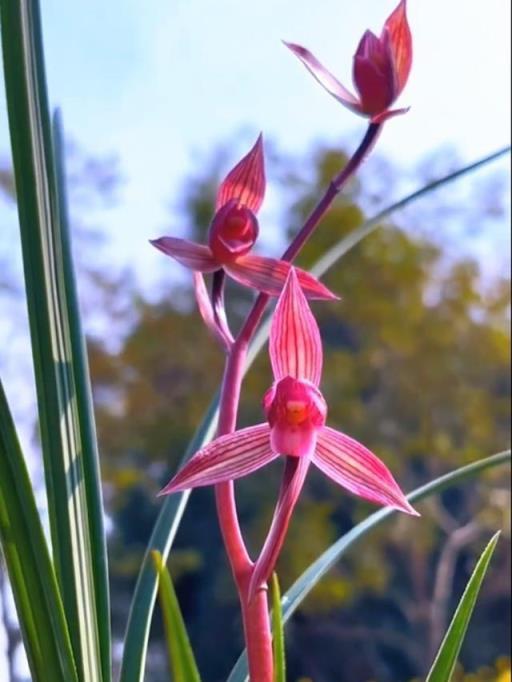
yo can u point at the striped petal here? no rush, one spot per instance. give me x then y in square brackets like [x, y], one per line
[325, 77]
[194, 256]
[224, 459]
[401, 43]
[354, 467]
[295, 345]
[217, 325]
[269, 275]
[246, 181]
[294, 476]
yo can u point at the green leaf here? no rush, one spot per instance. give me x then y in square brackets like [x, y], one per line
[278, 633]
[181, 656]
[312, 575]
[164, 532]
[31, 575]
[65, 414]
[444, 664]
[85, 423]
[137, 633]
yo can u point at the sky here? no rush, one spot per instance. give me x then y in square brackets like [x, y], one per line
[162, 83]
[162, 87]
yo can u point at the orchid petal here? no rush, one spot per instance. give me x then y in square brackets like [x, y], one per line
[224, 459]
[325, 77]
[219, 309]
[269, 275]
[374, 74]
[291, 486]
[400, 43]
[246, 181]
[295, 345]
[217, 326]
[353, 466]
[194, 256]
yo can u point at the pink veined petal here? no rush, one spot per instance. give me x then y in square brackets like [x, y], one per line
[224, 459]
[204, 304]
[295, 345]
[400, 42]
[269, 275]
[325, 77]
[353, 466]
[293, 481]
[191, 255]
[246, 181]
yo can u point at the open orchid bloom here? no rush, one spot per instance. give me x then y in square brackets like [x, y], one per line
[233, 233]
[380, 70]
[295, 427]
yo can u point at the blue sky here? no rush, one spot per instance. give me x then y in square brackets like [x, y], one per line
[160, 84]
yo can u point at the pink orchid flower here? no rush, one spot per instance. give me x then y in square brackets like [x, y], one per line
[295, 427]
[232, 235]
[380, 70]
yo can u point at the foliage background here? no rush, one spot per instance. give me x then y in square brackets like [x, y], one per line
[417, 366]
[417, 353]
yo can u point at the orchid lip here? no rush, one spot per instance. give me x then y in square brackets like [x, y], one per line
[233, 232]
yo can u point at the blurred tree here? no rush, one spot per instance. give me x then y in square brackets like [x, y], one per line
[416, 366]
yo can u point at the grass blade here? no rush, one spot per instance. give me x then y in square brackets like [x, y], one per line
[333, 255]
[65, 424]
[312, 575]
[85, 417]
[444, 664]
[135, 644]
[181, 656]
[278, 633]
[164, 532]
[31, 575]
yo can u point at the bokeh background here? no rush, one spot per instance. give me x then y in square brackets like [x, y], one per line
[159, 100]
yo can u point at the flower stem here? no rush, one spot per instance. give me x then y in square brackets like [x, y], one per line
[237, 553]
[316, 215]
[255, 609]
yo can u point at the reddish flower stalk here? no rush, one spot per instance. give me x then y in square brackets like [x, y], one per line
[294, 406]
[255, 616]
[252, 594]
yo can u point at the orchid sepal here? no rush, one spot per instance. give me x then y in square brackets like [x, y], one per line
[295, 346]
[245, 182]
[226, 458]
[292, 483]
[353, 466]
[268, 275]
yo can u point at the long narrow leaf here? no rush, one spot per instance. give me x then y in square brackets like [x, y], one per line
[64, 421]
[85, 417]
[174, 507]
[181, 656]
[164, 532]
[29, 567]
[444, 664]
[312, 575]
[278, 633]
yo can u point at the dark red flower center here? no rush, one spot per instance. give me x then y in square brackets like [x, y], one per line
[374, 73]
[233, 231]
